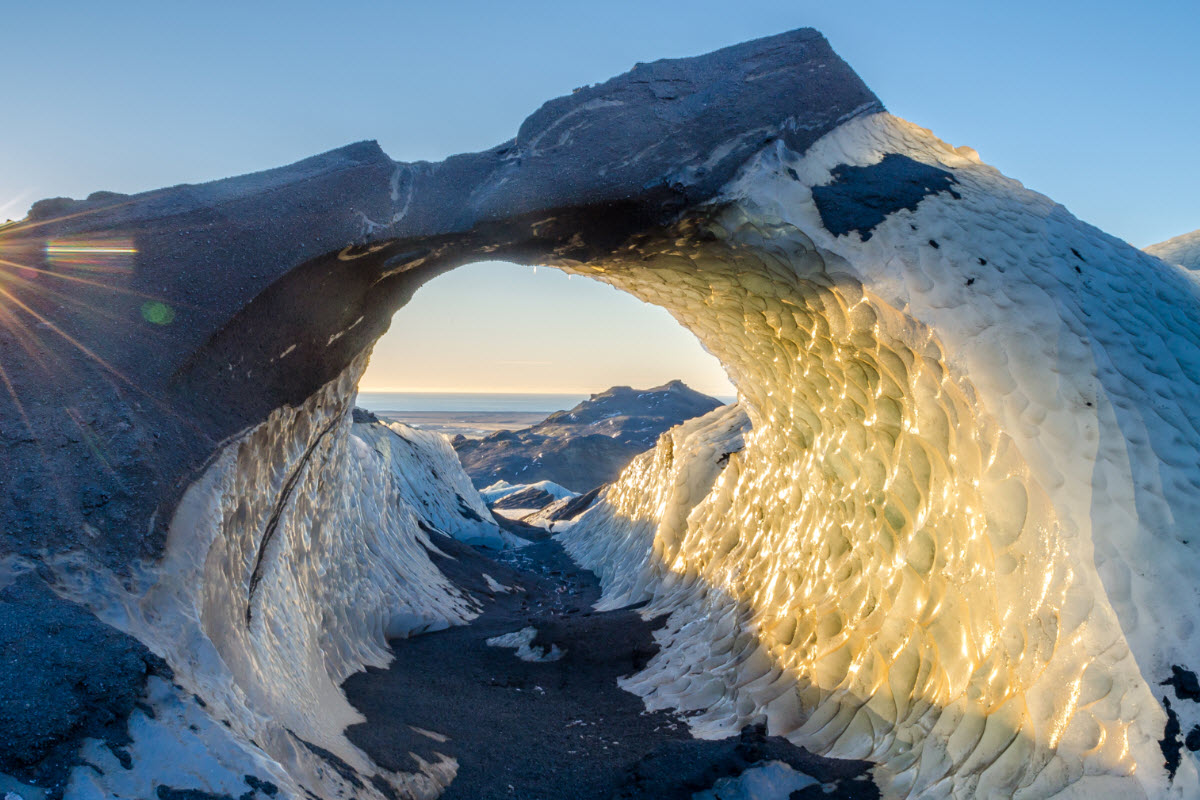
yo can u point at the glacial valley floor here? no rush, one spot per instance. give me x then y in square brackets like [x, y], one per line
[553, 729]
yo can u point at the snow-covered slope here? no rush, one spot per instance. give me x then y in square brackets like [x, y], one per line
[959, 539]
[1182, 250]
[502, 489]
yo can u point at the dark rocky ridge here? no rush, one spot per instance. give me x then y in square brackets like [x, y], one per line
[529, 497]
[587, 445]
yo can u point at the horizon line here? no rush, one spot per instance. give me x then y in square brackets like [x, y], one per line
[520, 391]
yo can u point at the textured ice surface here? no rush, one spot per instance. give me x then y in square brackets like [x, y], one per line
[429, 477]
[948, 527]
[959, 539]
[293, 558]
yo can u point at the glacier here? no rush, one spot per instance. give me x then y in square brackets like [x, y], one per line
[946, 528]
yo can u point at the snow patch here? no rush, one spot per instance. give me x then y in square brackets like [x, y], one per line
[501, 489]
[495, 585]
[522, 642]
[772, 780]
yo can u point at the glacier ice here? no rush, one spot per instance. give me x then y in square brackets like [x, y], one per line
[956, 542]
[947, 528]
[347, 567]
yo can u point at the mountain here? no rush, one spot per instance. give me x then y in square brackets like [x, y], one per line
[587, 445]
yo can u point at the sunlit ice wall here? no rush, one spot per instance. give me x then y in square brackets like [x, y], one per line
[953, 543]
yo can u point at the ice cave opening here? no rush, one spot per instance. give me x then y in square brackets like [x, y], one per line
[874, 560]
[503, 328]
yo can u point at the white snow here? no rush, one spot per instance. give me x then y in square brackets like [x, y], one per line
[515, 513]
[179, 737]
[502, 489]
[773, 780]
[494, 491]
[522, 642]
[495, 585]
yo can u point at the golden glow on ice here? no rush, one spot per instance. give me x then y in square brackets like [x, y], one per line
[876, 574]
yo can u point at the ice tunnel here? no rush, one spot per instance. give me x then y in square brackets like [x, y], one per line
[948, 528]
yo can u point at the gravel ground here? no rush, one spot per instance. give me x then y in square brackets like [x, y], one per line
[524, 729]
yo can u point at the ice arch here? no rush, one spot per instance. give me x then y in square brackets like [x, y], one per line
[956, 541]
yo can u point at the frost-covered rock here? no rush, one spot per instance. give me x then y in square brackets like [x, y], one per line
[584, 446]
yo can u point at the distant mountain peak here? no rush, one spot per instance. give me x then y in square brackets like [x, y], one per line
[586, 445]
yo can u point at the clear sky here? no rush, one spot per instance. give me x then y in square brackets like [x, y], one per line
[1093, 103]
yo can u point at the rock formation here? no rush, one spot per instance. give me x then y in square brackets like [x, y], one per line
[584, 446]
[951, 534]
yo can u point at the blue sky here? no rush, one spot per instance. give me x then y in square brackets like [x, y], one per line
[1091, 103]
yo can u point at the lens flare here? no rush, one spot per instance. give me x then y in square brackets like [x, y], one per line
[158, 313]
[113, 255]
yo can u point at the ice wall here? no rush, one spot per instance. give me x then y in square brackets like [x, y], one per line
[427, 475]
[957, 542]
[290, 561]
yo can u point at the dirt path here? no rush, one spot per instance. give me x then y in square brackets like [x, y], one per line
[550, 729]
